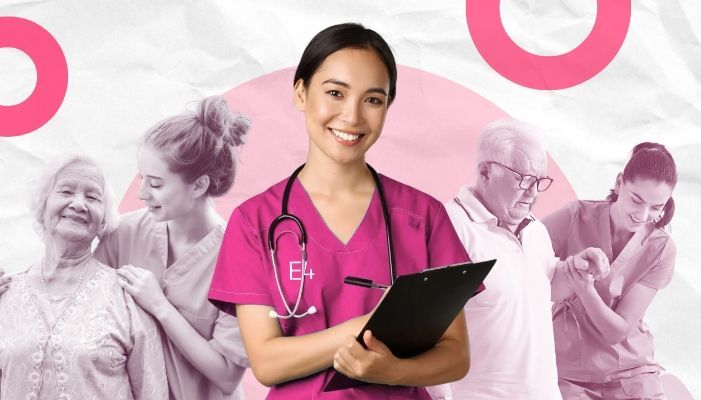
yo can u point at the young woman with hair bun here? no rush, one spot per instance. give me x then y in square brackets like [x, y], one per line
[166, 251]
[604, 349]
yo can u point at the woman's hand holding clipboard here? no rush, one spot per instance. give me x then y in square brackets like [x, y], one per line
[412, 315]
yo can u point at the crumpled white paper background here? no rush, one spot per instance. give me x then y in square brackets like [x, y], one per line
[132, 63]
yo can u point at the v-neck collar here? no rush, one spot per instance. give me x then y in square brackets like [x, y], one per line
[621, 262]
[634, 243]
[191, 257]
[319, 231]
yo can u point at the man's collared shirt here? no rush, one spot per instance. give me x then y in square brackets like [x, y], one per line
[512, 353]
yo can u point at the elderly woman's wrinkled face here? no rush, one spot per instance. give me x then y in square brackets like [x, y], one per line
[75, 209]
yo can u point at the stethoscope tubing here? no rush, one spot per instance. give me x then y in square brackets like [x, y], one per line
[285, 215]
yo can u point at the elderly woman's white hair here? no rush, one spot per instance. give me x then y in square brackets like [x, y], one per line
[500, 138]
[48, 180]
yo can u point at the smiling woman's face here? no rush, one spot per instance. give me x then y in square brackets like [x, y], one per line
[166, 195]
[345, 104]
[639, 202]
[75, 208]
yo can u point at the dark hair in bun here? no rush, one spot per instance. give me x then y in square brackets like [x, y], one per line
[202, 142]
[654, 162]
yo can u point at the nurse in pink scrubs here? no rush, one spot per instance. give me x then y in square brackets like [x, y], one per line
[167, 251]
[604, 349]
[344, 85]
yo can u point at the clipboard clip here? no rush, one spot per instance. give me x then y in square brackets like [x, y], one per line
[464, 271]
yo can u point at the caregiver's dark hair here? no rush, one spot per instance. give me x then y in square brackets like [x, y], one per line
[344, 36]
[654, 162]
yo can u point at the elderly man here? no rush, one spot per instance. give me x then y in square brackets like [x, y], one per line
[511, 333]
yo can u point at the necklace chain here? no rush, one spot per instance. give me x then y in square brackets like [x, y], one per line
[77, 287]
[51, 326]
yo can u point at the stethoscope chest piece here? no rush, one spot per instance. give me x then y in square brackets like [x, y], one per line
[292, 312]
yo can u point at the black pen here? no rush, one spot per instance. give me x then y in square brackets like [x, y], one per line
[352, 280]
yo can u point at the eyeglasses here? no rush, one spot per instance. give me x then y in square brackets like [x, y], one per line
[527, 181]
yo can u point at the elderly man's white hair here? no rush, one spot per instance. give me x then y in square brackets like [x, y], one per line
[48, 180]
[500, 138]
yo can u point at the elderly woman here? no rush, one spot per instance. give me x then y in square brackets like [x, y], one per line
[68, 330]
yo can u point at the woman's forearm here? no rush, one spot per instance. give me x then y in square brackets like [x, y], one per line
[283, 358]
[612, 326]
[276, 359]
[221, 371]
[447, 361]
[559, 289]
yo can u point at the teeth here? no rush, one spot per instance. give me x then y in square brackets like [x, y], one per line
[78, 220]
[345, 136]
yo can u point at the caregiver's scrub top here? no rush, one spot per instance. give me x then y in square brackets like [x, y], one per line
[143, 242]
[648, 259]
[423, 237]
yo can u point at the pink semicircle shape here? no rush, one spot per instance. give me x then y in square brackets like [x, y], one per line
[548, 72]
[428, 141]
[52, 76]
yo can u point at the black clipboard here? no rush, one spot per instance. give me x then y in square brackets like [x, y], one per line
[417, 311]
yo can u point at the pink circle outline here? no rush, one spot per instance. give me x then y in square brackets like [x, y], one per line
[52, 76]
[548, 72]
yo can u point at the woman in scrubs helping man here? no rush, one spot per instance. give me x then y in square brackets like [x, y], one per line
[344, 84]
[604, 349]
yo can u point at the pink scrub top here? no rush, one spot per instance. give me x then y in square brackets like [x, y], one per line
[648, 259]
[423, 237]
[143, 242]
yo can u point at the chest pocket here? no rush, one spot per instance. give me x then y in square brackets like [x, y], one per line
[567, 327]
[189, 297]
[202, 320]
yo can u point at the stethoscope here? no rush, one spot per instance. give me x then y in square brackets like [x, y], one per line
[292, 312]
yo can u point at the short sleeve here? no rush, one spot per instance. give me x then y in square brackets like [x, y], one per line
[106, 251]
[445, 240]
[440, 392]
[551, 267]
[559, 226]
[145, 363]
[547, 252]
[226, 339]
[660, 274]
[239, 276]
[444, 246]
